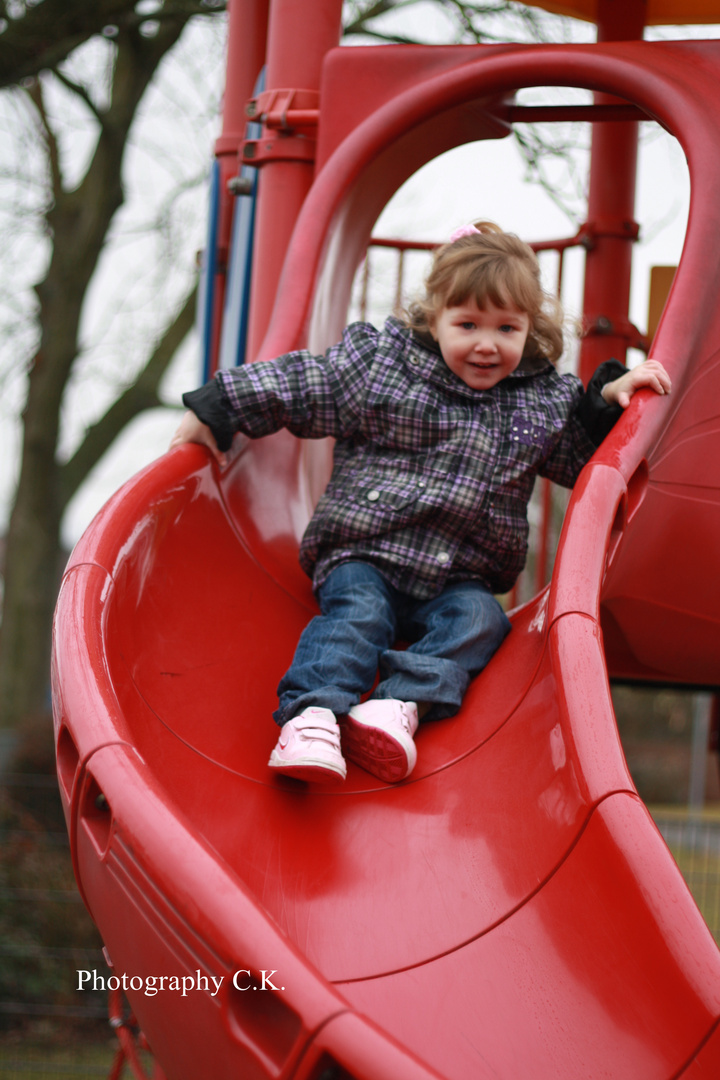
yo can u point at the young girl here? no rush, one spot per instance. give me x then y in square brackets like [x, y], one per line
[443, 420]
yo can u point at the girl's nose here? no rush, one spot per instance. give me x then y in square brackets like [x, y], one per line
[485, 342]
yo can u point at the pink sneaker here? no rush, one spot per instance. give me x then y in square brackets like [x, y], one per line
[378, 736]
[309, 748]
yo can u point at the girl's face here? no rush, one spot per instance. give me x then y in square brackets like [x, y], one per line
[481, 346]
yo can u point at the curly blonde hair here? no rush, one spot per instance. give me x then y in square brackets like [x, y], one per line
[494, 265]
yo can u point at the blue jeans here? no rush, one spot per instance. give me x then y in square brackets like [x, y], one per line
[452, 637]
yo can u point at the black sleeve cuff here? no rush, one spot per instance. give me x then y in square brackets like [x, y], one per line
[596, 416]
[210, 405]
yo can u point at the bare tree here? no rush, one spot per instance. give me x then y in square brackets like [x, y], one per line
[77, 216]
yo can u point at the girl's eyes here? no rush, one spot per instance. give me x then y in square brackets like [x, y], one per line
[506, 328]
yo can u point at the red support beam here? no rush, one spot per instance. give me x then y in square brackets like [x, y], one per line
[611, 225]
[247, 37]
[297, 44]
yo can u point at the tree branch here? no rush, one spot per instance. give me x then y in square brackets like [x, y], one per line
[35, 93]
[81, 93]
[361, 16]
[48, 32]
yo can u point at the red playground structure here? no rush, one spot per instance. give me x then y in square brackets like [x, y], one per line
[511, 910]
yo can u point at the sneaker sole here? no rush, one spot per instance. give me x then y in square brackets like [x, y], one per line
[376, 751]
[317, 772]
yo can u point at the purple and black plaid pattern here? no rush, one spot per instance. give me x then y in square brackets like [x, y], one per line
[431, 479]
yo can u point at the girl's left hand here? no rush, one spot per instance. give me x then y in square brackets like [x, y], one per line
[650, 374]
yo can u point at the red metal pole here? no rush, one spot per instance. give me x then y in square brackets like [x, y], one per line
[247, 37]
[299, 35]
[611, 226]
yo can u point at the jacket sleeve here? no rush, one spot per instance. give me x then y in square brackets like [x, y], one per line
[211, 406]
[591, 419]
[311, 396]
[596, 416]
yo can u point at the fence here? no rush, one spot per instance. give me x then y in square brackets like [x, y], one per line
[694, 840]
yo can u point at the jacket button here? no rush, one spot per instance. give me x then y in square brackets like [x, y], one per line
[373, 496]
[443, 557]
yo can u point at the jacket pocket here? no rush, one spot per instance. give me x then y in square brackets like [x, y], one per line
[390, 494]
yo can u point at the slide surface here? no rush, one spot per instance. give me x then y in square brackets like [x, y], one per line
[509, 911]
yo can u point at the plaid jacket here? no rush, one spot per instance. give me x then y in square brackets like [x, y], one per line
[431, 479]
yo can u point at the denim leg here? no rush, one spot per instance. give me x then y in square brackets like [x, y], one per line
[337, 656]
[453, 637]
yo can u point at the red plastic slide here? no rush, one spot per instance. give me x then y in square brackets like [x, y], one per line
[510, 911]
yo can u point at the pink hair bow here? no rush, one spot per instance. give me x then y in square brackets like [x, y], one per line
[464, 230]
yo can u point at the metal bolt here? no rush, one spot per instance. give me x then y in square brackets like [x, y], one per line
[240, 185]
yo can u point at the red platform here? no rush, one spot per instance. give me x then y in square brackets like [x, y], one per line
[511, 911]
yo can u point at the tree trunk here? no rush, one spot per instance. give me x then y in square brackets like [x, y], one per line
[31, 562]
[33, 546]
[78, 221]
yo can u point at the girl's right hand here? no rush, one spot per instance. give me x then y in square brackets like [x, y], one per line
[193, 430]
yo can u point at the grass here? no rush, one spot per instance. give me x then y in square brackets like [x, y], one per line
[46, 1059]
[47, 1062]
